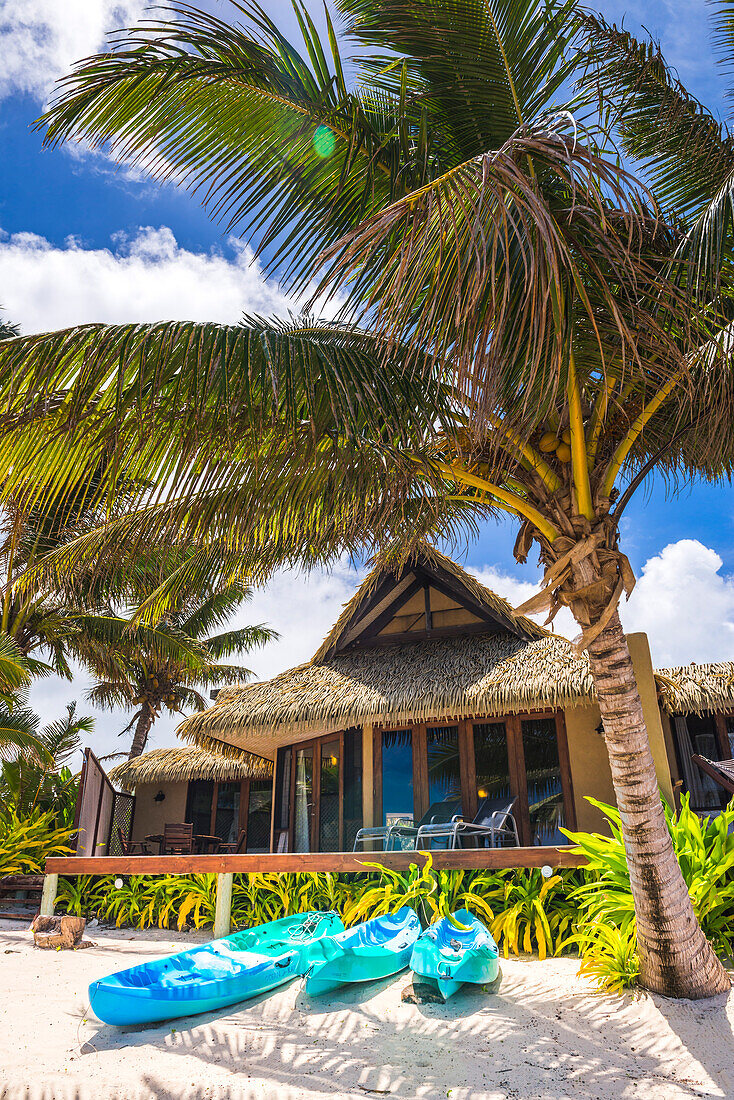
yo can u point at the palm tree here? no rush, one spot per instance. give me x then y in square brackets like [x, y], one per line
[137, 675]
[27, 782]
[531, 348]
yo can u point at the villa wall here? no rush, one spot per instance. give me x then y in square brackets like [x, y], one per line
[151, 816]
[589, 761]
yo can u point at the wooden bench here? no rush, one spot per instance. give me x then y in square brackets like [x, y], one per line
[20, 896]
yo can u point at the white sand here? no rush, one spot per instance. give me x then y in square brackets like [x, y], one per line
[545, 1035]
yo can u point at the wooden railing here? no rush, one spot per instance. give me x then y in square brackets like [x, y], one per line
[225, 866]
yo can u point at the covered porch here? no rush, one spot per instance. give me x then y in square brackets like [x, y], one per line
[328, 788]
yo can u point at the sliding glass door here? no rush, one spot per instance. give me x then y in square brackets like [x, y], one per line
[520, 757]
[318, 794]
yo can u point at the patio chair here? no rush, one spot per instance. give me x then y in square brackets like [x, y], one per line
[494, 822]
[132, 847]
[178, 839]
[721, 771]
[390, 835]
[235, 847]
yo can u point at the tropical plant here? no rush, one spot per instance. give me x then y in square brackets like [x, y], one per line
[26, 843]
[704, 850]
[42, 779]
[137, 672]
[609, 956]
[533, 348]
[682, 147]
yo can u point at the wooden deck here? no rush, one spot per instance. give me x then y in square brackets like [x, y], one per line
[305, 862]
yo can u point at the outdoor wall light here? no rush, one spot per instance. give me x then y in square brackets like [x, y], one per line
[482, 794]
[159, 797]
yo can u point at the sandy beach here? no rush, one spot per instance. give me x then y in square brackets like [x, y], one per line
[544, 1036]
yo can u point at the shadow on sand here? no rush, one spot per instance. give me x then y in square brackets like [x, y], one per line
[521, 1041]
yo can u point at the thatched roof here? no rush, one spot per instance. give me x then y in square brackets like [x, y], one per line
[692, 689]
[425, 555]
[174, 765]
[444, 678]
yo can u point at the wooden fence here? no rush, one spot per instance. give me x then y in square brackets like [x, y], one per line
[225, 866]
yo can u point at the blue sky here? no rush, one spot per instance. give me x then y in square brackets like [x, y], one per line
[83, 240]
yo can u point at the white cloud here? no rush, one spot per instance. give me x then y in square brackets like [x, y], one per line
[42, 39]
[144, 277]
[684, 604]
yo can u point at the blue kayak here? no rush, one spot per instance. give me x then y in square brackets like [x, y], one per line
[376, 949]
[214, 975]
[450, 956]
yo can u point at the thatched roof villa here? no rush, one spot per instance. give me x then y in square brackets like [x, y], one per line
[429, 686]
[221, 794]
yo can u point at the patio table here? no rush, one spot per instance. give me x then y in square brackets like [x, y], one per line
[207, 845]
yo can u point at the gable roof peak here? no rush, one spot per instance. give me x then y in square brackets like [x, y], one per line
[395, 565]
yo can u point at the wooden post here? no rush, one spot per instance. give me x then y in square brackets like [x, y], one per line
[48, 896]
[223, 908]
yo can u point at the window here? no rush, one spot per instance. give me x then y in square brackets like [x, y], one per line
[444, 772]
[227, 816]
[218, 809]
[543, 774]
[258, 815]
[397, 776]
[352, 778]
[329, 796]
[490, 760]
[199, 805]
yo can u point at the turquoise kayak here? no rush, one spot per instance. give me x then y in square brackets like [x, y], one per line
[376, 949]
[214, 975]
[450, 956]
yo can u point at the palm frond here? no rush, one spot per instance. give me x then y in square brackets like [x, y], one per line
[494, 266]
[63, 737]
[14, 671]
[241, 640]
[481, 70]
[685, 152]
[19, 735]
[267, 135]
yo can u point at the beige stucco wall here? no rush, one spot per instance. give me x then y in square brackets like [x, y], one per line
[642, 662]
[151, 816]
[589, 762]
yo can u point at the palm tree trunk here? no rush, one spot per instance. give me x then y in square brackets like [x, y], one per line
[676, 959]
[142, 729]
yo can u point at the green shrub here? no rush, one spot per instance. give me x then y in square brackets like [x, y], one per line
[705, 851]
[525, 912]
[609, 956]
[27, 842]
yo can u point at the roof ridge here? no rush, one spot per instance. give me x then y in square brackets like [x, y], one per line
[393, 560]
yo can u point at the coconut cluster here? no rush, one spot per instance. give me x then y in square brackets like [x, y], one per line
[561, 444]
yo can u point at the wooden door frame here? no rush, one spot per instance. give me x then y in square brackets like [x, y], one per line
[315, 744]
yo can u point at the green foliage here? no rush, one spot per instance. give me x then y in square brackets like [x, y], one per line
[29, 781]
[705, 851]
[524, 911]
[26, 843]
[609, 956]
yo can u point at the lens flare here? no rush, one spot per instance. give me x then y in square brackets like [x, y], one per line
[324, 141]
